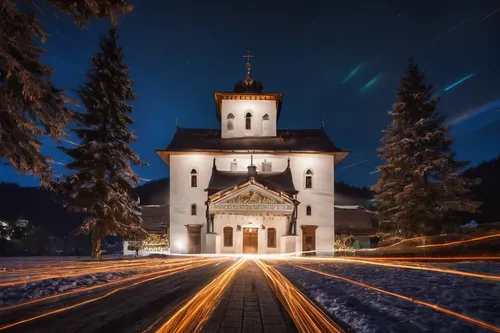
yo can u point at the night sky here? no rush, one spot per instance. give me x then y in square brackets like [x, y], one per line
[340, 62]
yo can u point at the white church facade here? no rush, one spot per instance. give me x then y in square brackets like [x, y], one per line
[249, 187]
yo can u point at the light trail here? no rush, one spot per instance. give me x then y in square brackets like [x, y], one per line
[65, 273]
[462, 80]
[114, 291]
[99, 286]
[428, 258]
[191, 317]
[461, 241]
[306, 315]
[413, 300]
[352, 73]
[432, 269]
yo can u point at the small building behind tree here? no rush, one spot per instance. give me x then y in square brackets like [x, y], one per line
[355, 221]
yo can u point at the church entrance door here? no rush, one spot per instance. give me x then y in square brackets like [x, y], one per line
[250, 240]
[309, 239]
[194, 238]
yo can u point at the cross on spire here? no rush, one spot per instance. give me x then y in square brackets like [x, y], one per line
[248, 66]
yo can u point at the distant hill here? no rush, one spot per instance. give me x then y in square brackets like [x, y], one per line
[37, 206]
[154, 192]
[488, 191]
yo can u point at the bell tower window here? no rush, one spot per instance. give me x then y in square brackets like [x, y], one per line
[230, 122]
[248, 121]
[265, 121]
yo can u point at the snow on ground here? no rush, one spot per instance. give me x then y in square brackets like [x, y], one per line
[371, 311]
[32, 290]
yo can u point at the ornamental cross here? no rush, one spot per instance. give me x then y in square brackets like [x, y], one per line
[248, 56]
[248, 65]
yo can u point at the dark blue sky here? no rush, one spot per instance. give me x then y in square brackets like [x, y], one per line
[181, 52]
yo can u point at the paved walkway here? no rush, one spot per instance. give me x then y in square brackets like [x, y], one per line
[248, 306]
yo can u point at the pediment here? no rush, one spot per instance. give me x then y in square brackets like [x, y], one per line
[252, 194]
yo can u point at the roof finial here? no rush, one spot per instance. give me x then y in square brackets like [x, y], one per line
[248, 66]
[288, 163]
[251, 159]
[322, 122]
[177, 122]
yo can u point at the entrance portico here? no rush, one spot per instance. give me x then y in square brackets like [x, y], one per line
[250, 218]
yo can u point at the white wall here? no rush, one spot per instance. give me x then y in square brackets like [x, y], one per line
[239, 109]
[182, 195]
[320, 197]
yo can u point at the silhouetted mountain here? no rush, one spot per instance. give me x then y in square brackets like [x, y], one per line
[39, 207]
[154, 192]
[346, 194]
[488, 191]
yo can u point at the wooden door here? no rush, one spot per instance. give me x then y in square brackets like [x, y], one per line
[250, 240]
[309, 239]
[194, 238]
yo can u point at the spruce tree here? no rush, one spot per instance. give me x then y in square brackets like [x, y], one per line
[102, 177]
[30, 106]
[421, 184]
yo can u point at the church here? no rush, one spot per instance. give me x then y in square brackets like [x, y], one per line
[248, 187]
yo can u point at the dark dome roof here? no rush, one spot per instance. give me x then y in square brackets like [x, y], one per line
[248, 85]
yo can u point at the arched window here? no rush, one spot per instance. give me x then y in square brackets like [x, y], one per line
[230, 122]
[265, 124]
[194, 178]
[271, 237]
[248, 121]
[193, 210]
[228, 236]
[308, 210]
[309, 179]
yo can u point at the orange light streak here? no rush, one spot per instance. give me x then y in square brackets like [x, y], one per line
[427, 258]
[461, 241]
[306, 315]
[191, 317]
[84, 271]
[413, 300]
[431, 269]
[114, 291]
[99, 286]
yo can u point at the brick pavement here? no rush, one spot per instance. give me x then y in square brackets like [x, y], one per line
[248, 306]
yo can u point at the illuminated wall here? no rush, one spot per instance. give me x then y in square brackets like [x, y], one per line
[182, 195]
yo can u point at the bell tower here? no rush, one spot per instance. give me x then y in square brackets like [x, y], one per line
[248, 111]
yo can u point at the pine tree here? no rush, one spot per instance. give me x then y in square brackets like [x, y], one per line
[31, 107]
[421, 184]
[102, 175]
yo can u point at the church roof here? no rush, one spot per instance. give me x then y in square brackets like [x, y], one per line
[355, 220]
[155, 218]
[278, 181]
[290, 141]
